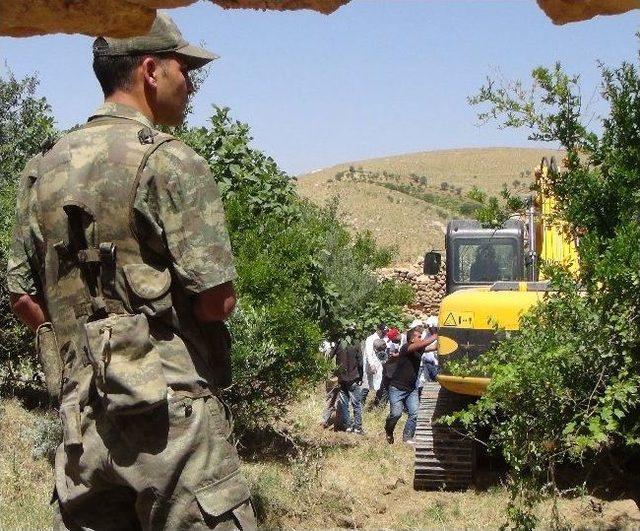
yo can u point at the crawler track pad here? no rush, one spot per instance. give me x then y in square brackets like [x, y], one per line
[444, 459]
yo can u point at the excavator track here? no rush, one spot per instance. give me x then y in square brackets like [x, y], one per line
[444, 459]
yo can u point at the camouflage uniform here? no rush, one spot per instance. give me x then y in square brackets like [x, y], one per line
[118, 227]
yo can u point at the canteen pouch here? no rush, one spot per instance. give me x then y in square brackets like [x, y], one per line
[218, 344]
[148, 289]
[127, 368]
[49, 356]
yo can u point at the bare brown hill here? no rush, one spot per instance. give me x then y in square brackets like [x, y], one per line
[406, 200]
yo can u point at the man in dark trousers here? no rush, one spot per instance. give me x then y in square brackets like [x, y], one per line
[403, 393]
[349, 371]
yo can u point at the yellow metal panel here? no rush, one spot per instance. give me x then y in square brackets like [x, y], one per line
[464, 385]
[484, 309]
[556, 245]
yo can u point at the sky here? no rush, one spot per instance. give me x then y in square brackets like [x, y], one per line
[375, 78]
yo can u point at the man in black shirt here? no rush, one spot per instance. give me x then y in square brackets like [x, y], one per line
[349, 372]
[402, 385]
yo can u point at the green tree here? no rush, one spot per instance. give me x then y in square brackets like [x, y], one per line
[565, 388]
[301, 275]
[26, 125]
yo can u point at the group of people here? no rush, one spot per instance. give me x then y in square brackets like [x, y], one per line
[392, 365]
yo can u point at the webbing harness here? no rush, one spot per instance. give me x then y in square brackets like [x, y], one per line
[97, 263]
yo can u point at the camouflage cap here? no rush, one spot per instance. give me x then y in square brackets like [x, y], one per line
[163, 37]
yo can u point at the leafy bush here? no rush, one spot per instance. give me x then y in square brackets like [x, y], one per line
[301, 275]
[26, 124]
[475, 194]
[566, 387]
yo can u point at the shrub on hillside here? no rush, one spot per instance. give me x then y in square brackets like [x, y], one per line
[475, 194]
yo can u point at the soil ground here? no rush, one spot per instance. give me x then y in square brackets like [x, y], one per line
[303, 476]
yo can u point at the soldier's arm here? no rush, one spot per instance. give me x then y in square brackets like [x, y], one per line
[29, 309]
[186, 213]
[24, 287]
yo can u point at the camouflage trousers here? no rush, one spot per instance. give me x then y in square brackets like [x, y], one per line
[171, 468]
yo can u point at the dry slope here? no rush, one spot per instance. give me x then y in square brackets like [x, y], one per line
[406, 200]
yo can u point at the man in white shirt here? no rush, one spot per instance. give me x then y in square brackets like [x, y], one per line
[371, 364]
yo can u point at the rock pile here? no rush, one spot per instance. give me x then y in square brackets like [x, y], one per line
[116, 18]
[428, 290]
[125, 18]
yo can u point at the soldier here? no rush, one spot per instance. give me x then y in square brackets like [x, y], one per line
[122, 264]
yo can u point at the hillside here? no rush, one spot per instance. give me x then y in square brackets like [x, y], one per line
[406, 200]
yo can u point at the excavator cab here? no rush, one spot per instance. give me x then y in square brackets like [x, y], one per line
[478, 256]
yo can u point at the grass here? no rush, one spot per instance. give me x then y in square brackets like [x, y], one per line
[315, 478]
[406, 200]
[26, 481]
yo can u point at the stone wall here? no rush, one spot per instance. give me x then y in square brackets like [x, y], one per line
[428, 290]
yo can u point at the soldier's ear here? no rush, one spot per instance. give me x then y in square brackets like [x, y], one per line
[150, 68]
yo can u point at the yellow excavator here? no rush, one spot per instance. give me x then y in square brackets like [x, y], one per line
[492, 279]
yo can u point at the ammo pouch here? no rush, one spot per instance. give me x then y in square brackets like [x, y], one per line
[148, 289]
[49, 355]
[127, 368]
[218, 344]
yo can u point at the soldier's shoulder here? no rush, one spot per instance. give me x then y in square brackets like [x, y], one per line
[30, 171]
[178, 154]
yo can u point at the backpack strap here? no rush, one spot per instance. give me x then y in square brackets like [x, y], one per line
[136, 182]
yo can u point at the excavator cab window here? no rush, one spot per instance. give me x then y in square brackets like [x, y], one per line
[485, 260]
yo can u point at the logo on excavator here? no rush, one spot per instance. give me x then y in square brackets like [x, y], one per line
[459, 319]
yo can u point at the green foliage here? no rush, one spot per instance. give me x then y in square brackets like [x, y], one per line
[475, 194]
[301, 275]
[269, 369]
[565, 387]
[495, 211]
[453, 203]
[26, 124]
[249, 181]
